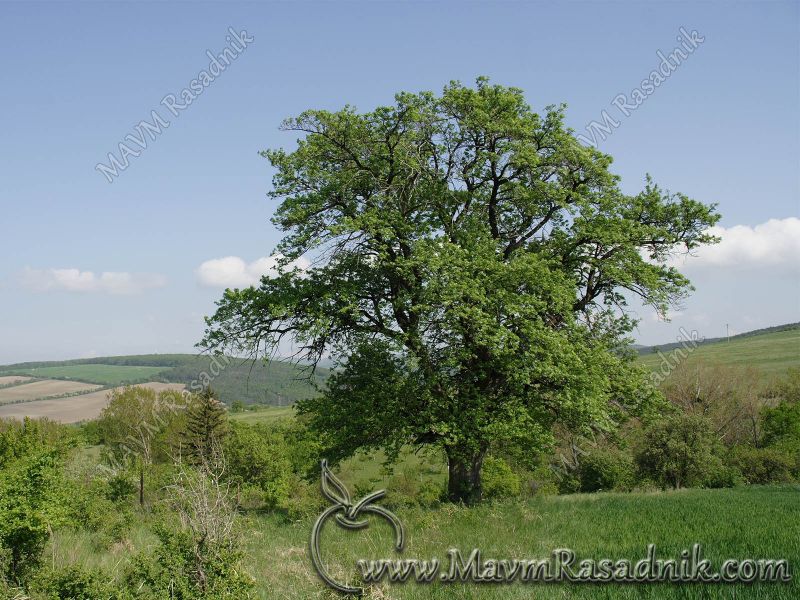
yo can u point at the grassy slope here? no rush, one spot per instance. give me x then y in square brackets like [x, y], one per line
[754, 522]
[264, 415]
[771, 353]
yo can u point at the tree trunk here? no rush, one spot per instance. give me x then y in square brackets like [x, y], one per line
[141, 484]
[464, 477]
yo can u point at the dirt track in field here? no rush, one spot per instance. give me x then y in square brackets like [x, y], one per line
[44, 389]
[73, 409]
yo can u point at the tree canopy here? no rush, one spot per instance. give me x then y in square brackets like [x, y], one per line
[470, 266]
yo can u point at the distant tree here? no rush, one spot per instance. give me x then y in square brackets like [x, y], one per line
[470, 267]
[206, 426]
[787, 387]
[782, 426]
[259, 455]
[679, 451]
[237, 406]
[724, 395]
[764, 465]
[131, 424]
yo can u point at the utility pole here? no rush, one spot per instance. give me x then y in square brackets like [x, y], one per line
[728, 331]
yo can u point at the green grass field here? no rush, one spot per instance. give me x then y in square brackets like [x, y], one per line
[93, 373]
[771, 353]
[739, 523]
[266, 414]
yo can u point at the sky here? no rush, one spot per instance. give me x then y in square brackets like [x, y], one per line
[90, 267]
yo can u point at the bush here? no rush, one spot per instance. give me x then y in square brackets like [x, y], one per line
[91, 509]
[273, 458]
[258, 456]
[763, 465]
[542, 481]
[301, 500]
[31, 505]
[121, 487]
[680, 451]
[411, 486]
[76, 583]
[606, 469]
[788, 387]
[172, 570]
[720, 475]
[498, 480]
[781, 425]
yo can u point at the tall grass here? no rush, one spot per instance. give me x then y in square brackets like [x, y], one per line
[756, 522]
[752, 522]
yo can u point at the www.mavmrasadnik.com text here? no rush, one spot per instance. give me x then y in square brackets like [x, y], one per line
[563, 566]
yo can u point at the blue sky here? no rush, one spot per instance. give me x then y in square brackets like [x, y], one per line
[724, 127]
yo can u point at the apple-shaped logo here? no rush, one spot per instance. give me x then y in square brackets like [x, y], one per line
[347, 514]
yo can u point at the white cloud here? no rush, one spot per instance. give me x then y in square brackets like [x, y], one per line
[234, 272]
[75, 280]
[775, 243]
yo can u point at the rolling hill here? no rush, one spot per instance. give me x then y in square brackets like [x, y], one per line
[771, 350]
[274, 383]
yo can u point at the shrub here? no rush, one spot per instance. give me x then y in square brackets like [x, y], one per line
[91, 509]
[302, 499]
[498, 480]
[720, 475]
[76, 583]
[763, 465]
[680, 451]
[606, 469]
[788, 387]
[121, 487]
[31, 505]
[542, 481]
[781, 425]
[568, 482]
[258, 456]
[201, 557]
[171, 570]
[412, 486]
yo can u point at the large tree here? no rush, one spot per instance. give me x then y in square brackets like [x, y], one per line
[470, 263]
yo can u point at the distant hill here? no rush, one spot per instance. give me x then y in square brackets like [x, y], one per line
[669, 346]
[772, 350]
[276, 383]
[272, 382]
